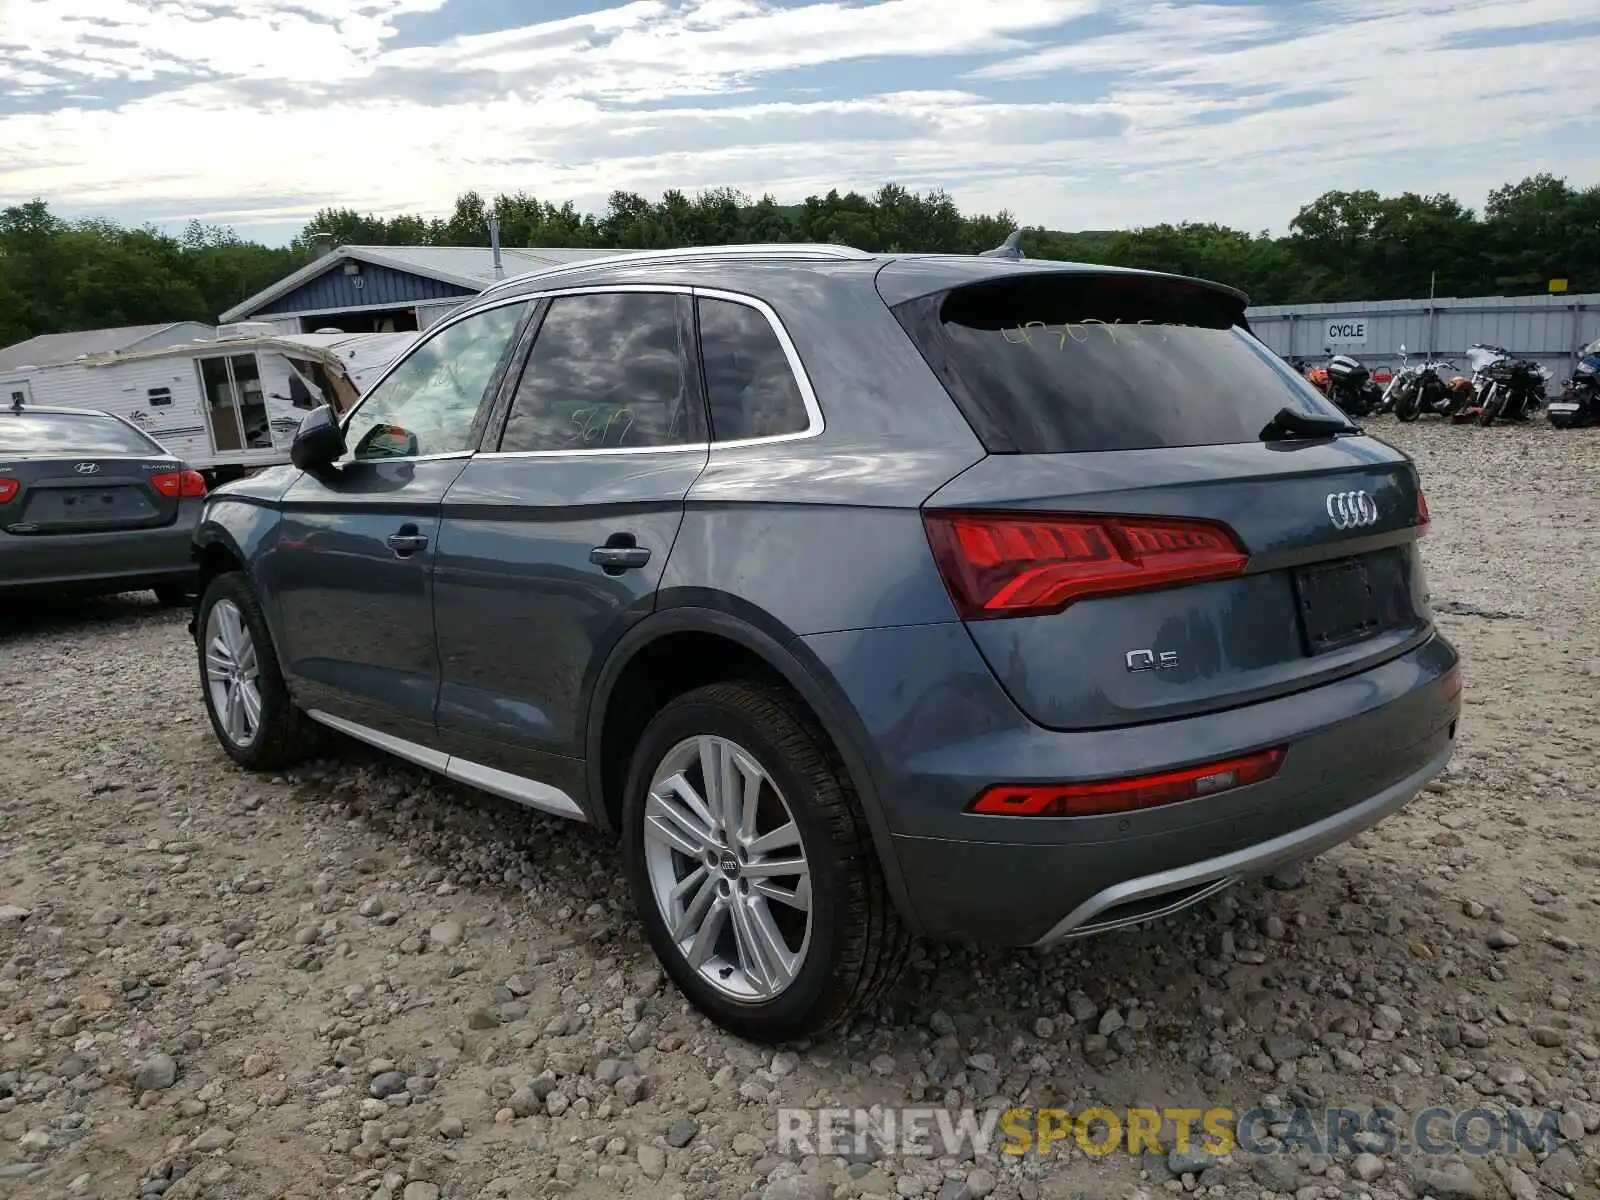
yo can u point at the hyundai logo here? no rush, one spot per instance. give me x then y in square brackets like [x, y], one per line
[1352, 510]
[86, 468]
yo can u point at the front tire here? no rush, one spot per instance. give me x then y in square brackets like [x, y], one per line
[1405, 407]
[251, 712]
[753, 868]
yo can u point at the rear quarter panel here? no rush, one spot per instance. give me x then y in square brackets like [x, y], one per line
[824, 532]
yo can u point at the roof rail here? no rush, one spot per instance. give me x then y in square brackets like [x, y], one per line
[750, 250]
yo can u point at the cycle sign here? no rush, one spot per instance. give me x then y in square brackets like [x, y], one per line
[1345, 331]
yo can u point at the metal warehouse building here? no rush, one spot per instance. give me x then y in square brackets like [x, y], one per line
[389, 289]
[1546, 329]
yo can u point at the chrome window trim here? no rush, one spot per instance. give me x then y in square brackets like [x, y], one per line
[423, 338]
[677, 448]
[808, 396]
[522, 790]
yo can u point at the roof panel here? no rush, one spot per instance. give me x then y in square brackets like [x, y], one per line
[52, 349]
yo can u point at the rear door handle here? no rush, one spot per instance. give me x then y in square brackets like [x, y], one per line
[407, 540]
[619, 558]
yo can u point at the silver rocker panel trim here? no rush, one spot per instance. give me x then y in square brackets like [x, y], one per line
[529, 792]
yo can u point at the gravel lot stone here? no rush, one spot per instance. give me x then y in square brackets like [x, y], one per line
[357, 980]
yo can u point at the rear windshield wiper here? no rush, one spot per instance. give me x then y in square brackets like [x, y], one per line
[1291, 423]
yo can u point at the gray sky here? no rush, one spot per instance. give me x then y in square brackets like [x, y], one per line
[1072, 113]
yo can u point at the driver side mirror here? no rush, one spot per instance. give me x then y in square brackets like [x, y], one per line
[319, 442]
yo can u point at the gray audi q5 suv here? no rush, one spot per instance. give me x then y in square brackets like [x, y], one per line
[859, 596]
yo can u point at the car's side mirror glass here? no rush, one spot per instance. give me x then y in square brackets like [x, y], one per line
[387, 441]
[319, 442]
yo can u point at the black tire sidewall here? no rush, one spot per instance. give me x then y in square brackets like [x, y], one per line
[276, 706]
[699, 713]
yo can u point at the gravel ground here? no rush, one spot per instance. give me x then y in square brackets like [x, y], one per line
[360, 981]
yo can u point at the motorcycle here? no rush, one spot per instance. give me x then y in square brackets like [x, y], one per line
[1508, 388]
[1351, 387]
[1419, 388]
[1579, 402]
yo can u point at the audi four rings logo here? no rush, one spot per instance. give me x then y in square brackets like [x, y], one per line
[1352, 510]
[86, 468]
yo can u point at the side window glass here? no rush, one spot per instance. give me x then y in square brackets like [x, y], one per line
[427, 404]
[608, 371]
[750, 388]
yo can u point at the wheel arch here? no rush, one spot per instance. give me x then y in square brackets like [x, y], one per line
[750, 648]
[216, 553]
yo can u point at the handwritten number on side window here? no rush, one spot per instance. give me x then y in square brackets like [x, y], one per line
[593, 427]
[1078, 332]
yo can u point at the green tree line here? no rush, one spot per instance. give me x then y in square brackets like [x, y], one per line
[58, 274]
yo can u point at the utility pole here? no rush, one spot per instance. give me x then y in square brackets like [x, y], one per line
[494, 243]
[1433, 314]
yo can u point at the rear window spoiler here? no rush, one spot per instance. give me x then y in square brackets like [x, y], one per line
[1011, 250]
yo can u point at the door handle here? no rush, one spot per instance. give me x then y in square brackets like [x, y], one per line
[617, 559]
[407, 540]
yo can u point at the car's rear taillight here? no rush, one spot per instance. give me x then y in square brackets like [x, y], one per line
[1423, 520]
[1452, 683]
[184, 485]
[1127, 795]
[1022, 564]
[8, 489]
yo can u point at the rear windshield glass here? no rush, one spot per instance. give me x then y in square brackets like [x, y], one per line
[1060, 363]
[69, 433]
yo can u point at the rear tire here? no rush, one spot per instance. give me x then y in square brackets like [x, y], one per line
[251, 712]
[839, 954]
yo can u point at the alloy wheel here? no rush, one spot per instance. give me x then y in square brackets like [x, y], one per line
[727, 868]
[232, 673]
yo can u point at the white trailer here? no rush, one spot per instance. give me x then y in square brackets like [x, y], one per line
[227, 405]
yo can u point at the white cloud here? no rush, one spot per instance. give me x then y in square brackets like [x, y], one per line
[1209, 111]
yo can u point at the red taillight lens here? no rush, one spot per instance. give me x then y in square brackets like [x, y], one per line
[1127, 795]
[1023, 564]
[1423, 520]
[185, 485]
[8, 489]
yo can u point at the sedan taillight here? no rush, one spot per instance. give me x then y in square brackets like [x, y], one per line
[182, 485]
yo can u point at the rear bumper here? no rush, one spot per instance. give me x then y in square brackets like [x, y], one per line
[1170, 891]
[124, 560]
[939, 731]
